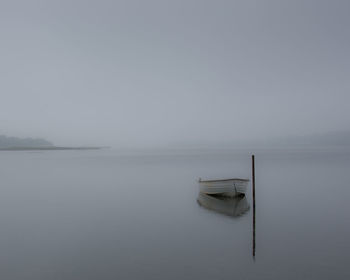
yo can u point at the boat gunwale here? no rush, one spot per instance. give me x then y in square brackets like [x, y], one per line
[223, 180]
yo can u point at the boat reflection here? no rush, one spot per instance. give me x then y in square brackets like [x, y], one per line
[231, 206]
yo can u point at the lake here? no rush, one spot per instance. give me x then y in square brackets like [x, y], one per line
[110, 214]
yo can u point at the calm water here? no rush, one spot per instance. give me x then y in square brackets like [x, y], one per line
[111, 215]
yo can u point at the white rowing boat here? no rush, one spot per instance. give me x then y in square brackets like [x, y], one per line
[233, 206]
[226, 187]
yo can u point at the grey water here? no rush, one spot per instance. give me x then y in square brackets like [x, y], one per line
[108, 214]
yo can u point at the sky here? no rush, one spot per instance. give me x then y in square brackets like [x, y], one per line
[157, 72]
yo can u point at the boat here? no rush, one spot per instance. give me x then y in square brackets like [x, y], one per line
[231, 206]
[225, 187]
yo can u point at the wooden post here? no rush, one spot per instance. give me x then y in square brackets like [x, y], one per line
[253, 190]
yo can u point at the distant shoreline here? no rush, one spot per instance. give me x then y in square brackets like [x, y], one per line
[53, 148]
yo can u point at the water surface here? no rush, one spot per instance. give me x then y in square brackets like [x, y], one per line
[120, 215]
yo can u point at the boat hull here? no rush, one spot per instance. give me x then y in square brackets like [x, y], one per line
[234, 207]
[229, 188]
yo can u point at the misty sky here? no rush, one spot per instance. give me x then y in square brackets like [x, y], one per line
[148, 72]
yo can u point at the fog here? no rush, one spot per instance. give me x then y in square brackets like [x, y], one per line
[158, 73]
